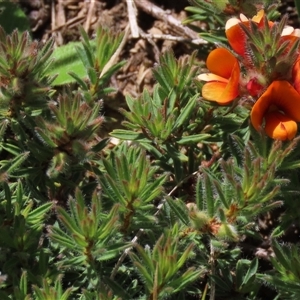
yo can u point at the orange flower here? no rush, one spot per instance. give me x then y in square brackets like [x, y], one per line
[279, 108]
[223, 83]
[296, 74]
[236, 35]
[291, 35]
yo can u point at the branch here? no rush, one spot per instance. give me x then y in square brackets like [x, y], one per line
[160, 14]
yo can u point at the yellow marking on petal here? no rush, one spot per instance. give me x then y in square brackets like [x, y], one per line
[258, 17]
[211, 77]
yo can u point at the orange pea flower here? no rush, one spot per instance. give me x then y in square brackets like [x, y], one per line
[279, 108]
[223, 83]
[236, 35]
[291, 35]
[296, 75]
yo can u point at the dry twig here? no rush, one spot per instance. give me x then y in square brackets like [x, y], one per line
[89, 16]
[160, 14]
[132, 12]
[170, 37]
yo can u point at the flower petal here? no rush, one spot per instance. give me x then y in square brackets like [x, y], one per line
[243, 18]
[279, 94]
[287, 30]
[213, 91]
[211, 77]
[221, 62]
[279, 126]
[234, 21]
[221, 92]
[237, 38]
[259, 16]
[296, 75]
[291, 39]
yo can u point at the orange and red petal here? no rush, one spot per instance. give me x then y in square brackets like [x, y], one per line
[221, 62]
[291, 39]
[279, 94]
[296, 75]
[237, 38]
[221, 92]
[279, 126]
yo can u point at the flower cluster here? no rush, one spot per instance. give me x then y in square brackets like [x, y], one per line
[264, 63]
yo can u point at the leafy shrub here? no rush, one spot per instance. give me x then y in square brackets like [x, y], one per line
[168, 212]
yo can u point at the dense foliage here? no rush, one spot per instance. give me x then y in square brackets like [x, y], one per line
[170, 210]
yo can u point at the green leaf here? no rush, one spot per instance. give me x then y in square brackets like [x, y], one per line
[66, 59]
[154, 189]
[209, 195]
[175, 153]
[12, 17]
[11, 148]
[251, 272]
[23, 283]
[79, 80]
[221, 284]
[109, 254]
[93, 76]
[116, 287]
[38, 214]
[219, 189]
[185, 113]
[147, 277]
[89, 56]
[297, 5]
[281, 256]
[62, 238]
[128, 135]
[192, 139]
[13, 164]
[187, 278]
[68, 222]
[179, 209]
[45, 137]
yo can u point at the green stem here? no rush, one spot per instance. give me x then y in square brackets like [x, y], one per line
[297, 4]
